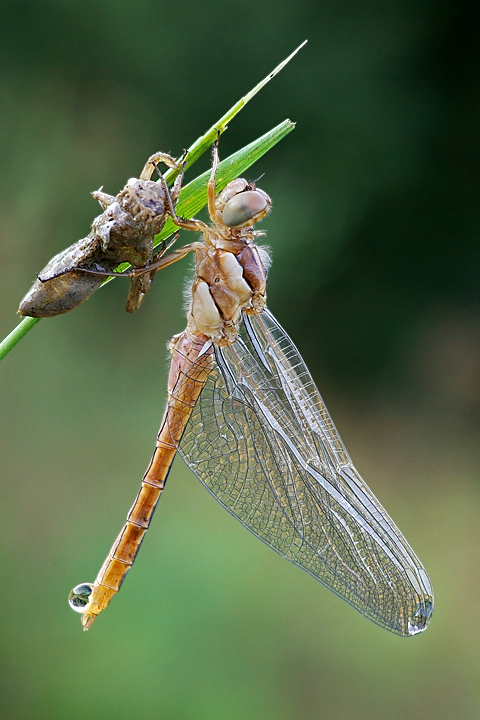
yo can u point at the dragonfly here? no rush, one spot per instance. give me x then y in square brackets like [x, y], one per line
[123, 232]
[245, 415]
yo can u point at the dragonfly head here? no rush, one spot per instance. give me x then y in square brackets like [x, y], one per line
[242, 204]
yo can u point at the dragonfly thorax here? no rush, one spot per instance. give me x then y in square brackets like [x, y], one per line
[226, 284]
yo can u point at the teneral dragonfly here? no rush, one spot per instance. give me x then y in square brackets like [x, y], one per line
[124, 232]
[244, 413]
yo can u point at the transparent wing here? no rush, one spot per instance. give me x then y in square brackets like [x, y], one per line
[262, 442]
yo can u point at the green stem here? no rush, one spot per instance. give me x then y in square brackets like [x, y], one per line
[206, 140]
[17, 333]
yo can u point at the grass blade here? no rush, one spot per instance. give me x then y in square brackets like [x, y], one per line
[206, 140]
[16, 335]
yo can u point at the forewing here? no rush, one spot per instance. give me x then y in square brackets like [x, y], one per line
[262, 442]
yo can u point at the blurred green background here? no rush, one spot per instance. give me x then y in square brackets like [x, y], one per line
[374, 233]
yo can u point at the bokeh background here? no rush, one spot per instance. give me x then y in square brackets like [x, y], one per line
[374, 233]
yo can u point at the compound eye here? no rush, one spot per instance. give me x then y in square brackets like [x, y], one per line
[241, 209]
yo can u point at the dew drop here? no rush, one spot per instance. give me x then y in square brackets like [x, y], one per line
[79, 597]
[422, 617]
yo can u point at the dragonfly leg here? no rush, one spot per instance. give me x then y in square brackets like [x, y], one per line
[152, 161]
[195, 225]
[212, 184]
[89, 271]
[141, 279]
[154, 264]
[99, 270]
[139, 286]
[177, 185]
[103, 198]
[160, 260]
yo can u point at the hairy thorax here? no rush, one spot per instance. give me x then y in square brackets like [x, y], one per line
[230, 278]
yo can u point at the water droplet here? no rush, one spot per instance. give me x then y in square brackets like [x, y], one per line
[79, 597]
[422, 617]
